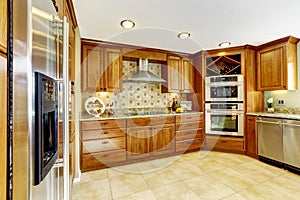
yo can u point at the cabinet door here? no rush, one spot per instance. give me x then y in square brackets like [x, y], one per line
[174, 76]
[271, 68]
[91, 68]
[163, 139]
[187, 76]
[139, 142]
[251, 136]
[3, 26]
[113, 70]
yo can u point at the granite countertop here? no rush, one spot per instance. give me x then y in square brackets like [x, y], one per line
[86, 117]
[276, 115]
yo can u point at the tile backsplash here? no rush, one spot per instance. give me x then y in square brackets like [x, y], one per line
[136, 95]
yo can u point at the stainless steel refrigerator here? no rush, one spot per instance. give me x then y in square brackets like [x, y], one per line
[40, 43]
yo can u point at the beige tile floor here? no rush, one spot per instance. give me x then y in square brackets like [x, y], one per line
[199, 175]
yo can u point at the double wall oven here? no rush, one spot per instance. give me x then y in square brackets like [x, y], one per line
[224, 106]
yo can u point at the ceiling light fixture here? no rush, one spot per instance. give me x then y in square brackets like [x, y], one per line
[128, 24]
[224, 44]
[184, 35]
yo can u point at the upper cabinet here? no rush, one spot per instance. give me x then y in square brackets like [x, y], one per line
[3, 26]
[101, 68]
[277, 65]
[180, 75]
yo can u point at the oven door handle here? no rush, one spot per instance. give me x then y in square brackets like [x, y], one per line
[225, 112]
[220, 84]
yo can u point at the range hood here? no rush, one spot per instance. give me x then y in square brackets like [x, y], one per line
[143, 75]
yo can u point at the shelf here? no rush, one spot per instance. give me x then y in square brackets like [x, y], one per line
[223, 65]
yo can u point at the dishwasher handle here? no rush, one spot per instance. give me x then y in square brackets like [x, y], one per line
[267, 122]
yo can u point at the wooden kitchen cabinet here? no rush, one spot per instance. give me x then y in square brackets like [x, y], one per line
[163, 139]
[3, 26]
[139, 142]
[103, 143]
[101, 68]
[180, 75]
[251, 137]
[189, 134]
[150, 136]
[277, 65]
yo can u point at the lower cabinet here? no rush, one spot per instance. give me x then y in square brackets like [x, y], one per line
[139, 142]
[146, 141]
[226, 144]
[251, 137]
[103, 143]
[106, 143]
[189, 134]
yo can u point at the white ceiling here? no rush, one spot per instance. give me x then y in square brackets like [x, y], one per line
[210, 22]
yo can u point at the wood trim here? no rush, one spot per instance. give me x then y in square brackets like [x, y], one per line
[229, 50]
[3, 121]
[133, 47]
[288, 39]
[70, 6]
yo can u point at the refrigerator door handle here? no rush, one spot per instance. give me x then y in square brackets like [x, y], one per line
[65, 65]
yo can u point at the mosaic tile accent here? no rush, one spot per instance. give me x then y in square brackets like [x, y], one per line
[137, 95]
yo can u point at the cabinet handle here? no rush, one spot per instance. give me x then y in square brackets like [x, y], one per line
[189, 142]
[105, 156]
[105, 142]
[104, 123]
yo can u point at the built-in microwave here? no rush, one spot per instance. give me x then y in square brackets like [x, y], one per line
[224, 88]
[45, 137]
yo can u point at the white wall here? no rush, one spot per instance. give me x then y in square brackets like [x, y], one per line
[292, 97]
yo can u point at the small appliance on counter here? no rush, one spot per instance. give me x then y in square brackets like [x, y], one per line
[186, 105]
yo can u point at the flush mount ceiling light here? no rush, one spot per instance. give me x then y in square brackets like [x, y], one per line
[225, 44]
[184, 35]
[128, 24]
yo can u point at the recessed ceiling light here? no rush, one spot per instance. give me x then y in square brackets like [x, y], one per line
[128, 24]
[184, 35]
[225, 44]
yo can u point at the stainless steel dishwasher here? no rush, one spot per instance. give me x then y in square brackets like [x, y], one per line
[291, 142]
[269, 131]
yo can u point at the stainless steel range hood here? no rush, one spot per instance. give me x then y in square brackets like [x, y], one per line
[143, 75]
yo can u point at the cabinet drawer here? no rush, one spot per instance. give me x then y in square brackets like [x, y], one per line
[188, 134]
[102, 134]
[150, 121]
[103, 124]
[188, 118]
[92, 160]
[92, 146]
[229, 143]
[189, 125]
[188, 145]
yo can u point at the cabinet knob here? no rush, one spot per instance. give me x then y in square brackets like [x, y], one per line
[104, 133]
[105, 142]
[104, 123]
